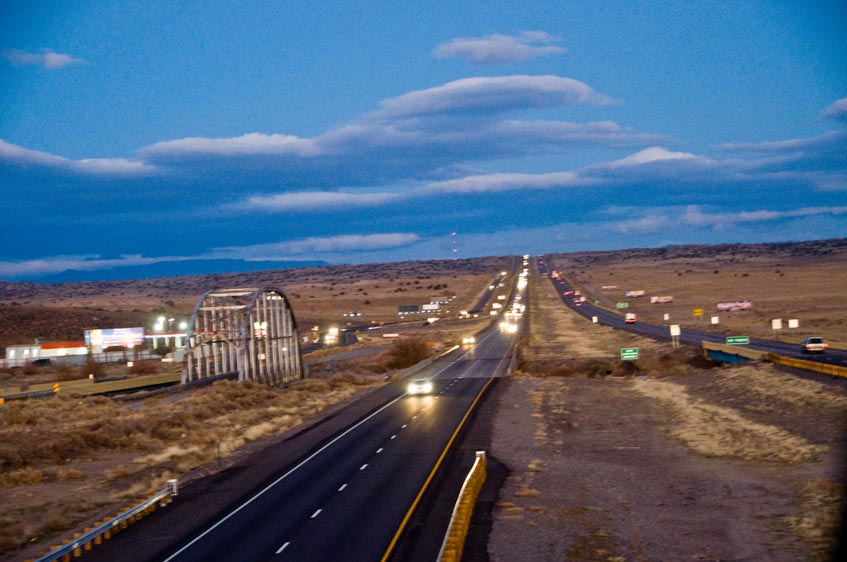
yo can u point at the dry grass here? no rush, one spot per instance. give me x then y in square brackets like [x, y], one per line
[44, 444]
[319, 296]
[820, 513]
[806, 281]
[719, 431]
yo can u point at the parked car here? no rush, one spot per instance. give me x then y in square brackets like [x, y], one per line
[813, 345]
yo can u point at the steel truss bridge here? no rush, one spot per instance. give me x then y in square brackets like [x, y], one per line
[248, 331]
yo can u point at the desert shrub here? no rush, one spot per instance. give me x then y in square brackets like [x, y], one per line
[344, 380]
[310, 385]
[29, 369]
[54, 523]
[65, 372]
[698, 361]
[23, 477]
[92, 367]
[627, 368]
[144, 367]
[16, 413]
[407, 352]
[597, 367]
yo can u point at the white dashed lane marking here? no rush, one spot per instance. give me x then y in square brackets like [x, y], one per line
[283, 547]
[315, 514]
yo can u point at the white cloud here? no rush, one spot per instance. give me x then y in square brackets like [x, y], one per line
[244, 145]
[315, 201]
[695, 216]
[830, 141]
[838, 110]
[56, 264]
[648, 224]
[281, 251]
[649, 155]
[503, 182]
[499, 49]
[25, 158]
[46, 58]
[315, 246]
[493, 94]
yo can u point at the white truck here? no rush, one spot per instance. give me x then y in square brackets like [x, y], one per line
[631, 318]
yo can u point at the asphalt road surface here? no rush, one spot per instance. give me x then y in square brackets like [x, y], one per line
[687, 336]
[340, 490]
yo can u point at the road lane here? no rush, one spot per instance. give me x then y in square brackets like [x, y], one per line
[347, 497]
[688, 336]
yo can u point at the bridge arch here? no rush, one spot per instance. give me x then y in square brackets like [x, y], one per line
[250, 332]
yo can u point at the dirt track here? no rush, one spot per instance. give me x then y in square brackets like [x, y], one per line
[718, 464]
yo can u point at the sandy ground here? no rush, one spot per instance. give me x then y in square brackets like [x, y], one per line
[680, 463]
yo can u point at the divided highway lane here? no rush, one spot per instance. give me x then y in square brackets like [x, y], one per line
[687, 336]
[348, 497]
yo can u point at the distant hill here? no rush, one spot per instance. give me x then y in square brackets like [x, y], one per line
[171, 269]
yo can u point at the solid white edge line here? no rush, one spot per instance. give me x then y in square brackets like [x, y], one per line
[283, 547]
[290, 472]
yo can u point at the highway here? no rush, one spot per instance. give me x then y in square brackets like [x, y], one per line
[342, 490]
[687, 335]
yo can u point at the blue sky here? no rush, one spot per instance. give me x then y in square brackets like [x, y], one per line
[141, 132]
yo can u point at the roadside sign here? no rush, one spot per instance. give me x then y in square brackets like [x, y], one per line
[675, 331]
[622, 305]
[737, 340]
[629, 353]
[697, 312]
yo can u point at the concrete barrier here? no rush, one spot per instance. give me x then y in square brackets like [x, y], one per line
[460, 521]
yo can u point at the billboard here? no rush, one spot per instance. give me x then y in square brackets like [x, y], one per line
[112, 337]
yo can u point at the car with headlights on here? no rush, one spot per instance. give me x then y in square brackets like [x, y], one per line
[419, 387]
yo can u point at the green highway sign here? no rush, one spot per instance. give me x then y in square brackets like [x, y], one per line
[622, 305]
[737, 340]
[629, 353]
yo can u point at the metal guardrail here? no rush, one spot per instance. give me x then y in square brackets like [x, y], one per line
[84, 541]
[825, 368]
[460, 520]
